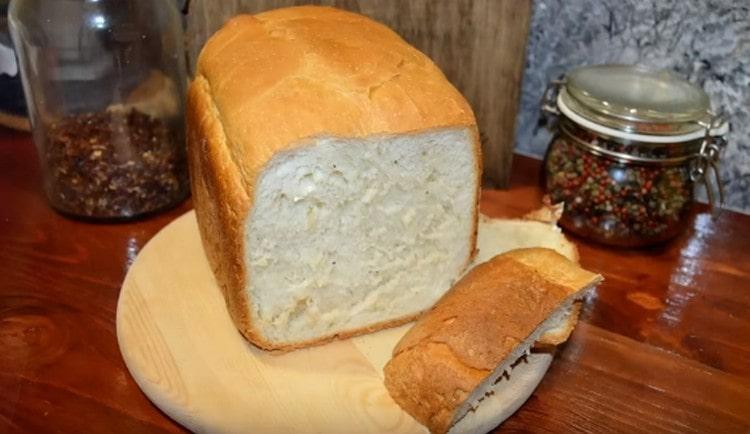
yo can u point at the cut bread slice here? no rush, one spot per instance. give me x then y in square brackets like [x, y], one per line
[501, 235]
[482, 412]
[455, 354]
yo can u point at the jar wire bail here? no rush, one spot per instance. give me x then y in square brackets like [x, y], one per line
[549, 97]
[708, 159]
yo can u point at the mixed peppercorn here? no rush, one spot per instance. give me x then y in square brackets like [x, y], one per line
[114, 164]
[615, 202]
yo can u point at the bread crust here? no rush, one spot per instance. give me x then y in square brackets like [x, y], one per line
[474, 327]
[268, 83]
[220, 201]
[561, 334]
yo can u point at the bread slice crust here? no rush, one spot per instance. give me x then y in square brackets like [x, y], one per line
[454, 347]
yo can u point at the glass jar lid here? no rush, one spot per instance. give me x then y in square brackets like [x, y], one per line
[636, 99]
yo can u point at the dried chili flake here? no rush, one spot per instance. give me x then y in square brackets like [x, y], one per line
[114, 164]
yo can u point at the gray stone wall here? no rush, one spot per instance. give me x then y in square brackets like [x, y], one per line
[706, 41]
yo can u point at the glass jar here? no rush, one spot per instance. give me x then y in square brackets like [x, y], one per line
[104, 82]
[12, 104]
[630, 145]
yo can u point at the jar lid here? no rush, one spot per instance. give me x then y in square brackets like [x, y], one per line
[636, 99]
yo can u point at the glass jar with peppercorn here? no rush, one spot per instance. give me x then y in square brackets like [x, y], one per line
[629, 146]
[104, 82]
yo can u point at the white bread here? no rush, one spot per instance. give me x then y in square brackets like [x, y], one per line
[335, 175]
[520, 233]
[456, 353]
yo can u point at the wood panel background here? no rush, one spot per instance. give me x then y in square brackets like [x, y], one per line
[479, 44]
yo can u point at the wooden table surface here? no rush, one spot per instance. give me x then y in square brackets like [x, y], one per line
[663, 345]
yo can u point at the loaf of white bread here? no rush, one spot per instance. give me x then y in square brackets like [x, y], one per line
[457, 353]
[335, 175]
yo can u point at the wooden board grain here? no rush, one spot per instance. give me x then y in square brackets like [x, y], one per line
[184, 352]
[479, 44]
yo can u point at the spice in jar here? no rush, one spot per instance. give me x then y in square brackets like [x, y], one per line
[619, 203]
[112, 164]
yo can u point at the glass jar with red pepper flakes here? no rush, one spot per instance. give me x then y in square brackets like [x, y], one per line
[105, 86]
[630, 145]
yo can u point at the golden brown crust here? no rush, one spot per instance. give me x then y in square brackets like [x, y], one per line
[212, 176]
[267, 83]
[475, 218]
[553, 267]
[562, 333]
[286, 75]
[474, 327]
[281, 349]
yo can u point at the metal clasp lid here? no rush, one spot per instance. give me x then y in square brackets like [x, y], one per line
[708, 158]
[549, 98]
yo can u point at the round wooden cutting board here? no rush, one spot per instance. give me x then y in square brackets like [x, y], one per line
[184, 352]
